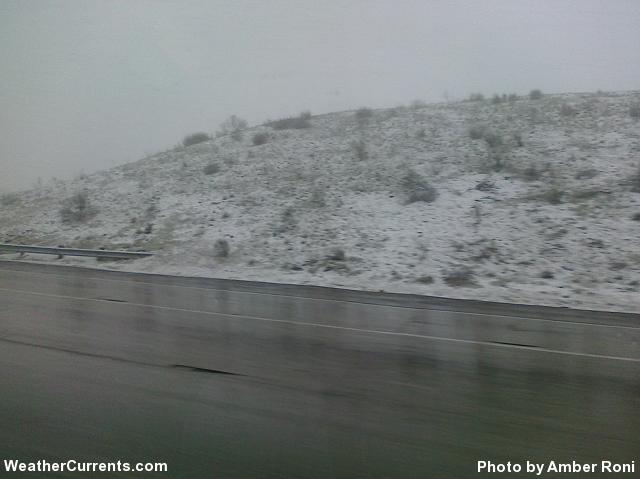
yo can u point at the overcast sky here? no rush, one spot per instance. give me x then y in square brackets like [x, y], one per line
[89, 84]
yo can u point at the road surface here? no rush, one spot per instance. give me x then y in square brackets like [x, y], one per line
[235, 379]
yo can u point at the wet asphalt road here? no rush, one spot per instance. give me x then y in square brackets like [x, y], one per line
[240, 380]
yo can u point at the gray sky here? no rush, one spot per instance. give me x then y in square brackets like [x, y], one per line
[89, 84]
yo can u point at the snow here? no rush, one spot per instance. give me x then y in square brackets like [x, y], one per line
[286, 206]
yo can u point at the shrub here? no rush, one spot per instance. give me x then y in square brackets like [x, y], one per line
[476, 97]
[77, 208]
[531, 173]
[236, 135]
[636, 217]
[499, 158]
[634, 111]
[221, 248]
[233, 123]
[461, 276]
[512, 97]
[425, 279]
[567, 110]
[418, 188]
[494, 140]
[148, 229]
[363, 114]
[360, 150]
[292, 123]
[596, 243]
[233, 126]
[418, 104]
[496, 99]
[535, 95]
[337, 254]
[211, 169]
[318, 198]
[477, 132]
[195, 138]
[260, 139]
[9, 199]
[288, 220]
[587, 194]
[496, 149]
[635, 181]
[486, 186]
[553, 196]
[517, 137]
[586, 174]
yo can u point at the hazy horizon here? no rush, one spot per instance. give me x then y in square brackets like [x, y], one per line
[89, 85]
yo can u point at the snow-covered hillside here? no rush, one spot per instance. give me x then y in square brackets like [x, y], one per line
[534, 202]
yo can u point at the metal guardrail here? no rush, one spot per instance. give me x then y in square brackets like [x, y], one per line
[60, 252]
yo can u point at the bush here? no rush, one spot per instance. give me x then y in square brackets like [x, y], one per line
[553, 196]
[586, 174]
[211, 169]
[233, 123]
[499, 158]
[461, 276]
[195, 138]
[535, 95]
[494, 140]
[221, 248]
[363, 114]
[337, 254]
[360, 150]
[497, 150]
[233, 126]
[77, 208]
[585, 194]
[260, 139]
[636, 217]
[318, 198]
[635, 181]
[418, 188]
[288, 220]
[497, 99]
[424, 279]
[567, 110]
[292, 123]
[9, 199]
[517, 137]
[512, 97]
[486, 186]
[634, 111]
[476, 97]
[477, 132]
[531, 173]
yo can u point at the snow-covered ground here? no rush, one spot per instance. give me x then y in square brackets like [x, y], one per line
[544, 214]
